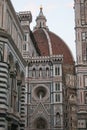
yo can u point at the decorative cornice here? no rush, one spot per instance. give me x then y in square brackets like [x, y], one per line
[53, 58]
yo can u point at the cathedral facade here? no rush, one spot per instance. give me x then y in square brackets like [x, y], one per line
[51, 90]
[41, 87]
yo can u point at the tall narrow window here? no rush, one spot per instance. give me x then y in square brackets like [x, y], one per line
[57, 70]
[86, 98]
[85, 81]
[57, 86]
[82, 13]
[57, 97]
[40, 72]
[24, 47]
[57, 118]
[84, 45]
[26, 37]
[33, 72]
[47, 72]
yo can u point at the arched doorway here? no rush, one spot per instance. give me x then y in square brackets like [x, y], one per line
[40, 123]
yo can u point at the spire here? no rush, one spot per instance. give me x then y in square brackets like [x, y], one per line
[41, 20]
[41, 12]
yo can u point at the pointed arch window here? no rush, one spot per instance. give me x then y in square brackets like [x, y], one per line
[40, 72]
[34, 72]
[47, 72]
[57, 118]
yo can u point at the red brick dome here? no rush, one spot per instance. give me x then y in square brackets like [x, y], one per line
[51, 44]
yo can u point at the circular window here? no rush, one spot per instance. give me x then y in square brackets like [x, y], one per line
[40, 92]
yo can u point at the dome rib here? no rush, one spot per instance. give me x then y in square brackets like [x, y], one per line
[49, 41]
[42, 41]
[58, 46]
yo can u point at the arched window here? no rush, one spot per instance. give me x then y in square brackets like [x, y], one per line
[33, 72]
[57, 115]
[40, 72]
[57, 118]
[47, 72]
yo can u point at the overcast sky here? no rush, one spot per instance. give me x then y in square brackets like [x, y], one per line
[59, 15]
